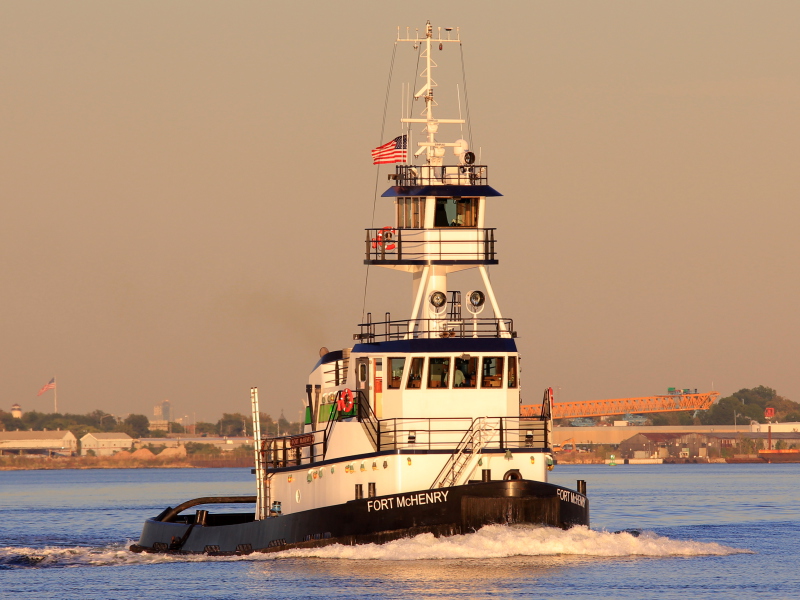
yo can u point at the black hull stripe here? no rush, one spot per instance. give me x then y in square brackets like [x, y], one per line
[443, 512]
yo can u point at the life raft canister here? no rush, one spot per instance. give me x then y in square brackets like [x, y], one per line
[345, 401]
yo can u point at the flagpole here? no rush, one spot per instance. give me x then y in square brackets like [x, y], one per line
[55, 394]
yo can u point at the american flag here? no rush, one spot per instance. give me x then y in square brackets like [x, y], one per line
[390, 152]
[48, 386]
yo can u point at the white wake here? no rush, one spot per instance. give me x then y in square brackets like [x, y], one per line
[499, 541]
[493, 541]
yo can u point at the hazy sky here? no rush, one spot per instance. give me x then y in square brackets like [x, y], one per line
[185, 187]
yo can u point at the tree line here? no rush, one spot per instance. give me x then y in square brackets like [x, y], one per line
[748, 404]
[138, 426]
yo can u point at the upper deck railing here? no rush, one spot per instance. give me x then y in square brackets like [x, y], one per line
[404, 434]
[447, 326]
[463, 245]
[414, 175]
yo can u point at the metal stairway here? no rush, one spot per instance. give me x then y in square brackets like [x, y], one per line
[474, 440]
[369, 421]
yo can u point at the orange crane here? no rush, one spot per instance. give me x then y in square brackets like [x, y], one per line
[621, 406]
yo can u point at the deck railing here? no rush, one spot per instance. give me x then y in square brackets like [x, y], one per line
[404, 434]
[414, 175]
[459, 244]
[403, 329]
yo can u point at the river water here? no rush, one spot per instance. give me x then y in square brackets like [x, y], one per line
[707, 531]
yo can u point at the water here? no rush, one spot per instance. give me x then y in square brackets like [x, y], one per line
[708, 531]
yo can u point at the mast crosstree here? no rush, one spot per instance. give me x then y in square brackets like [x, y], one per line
[435, 150]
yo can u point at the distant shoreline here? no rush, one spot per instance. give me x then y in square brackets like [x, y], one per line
[590, 458]
[14, 463]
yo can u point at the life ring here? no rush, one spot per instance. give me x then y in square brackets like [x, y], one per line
[384, 237]
[345, 402]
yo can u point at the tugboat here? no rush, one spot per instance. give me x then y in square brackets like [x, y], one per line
[416, 427]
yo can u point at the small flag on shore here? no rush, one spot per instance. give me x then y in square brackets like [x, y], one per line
[48, 386]
[390, 152]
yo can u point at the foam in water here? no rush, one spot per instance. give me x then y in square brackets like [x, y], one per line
[493, 541]
[498, 541]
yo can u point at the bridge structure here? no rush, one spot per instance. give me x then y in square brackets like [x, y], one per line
[621, 406]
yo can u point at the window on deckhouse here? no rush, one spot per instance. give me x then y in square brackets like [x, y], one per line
[513, 376]
[415, 373]
[456, 212]
[439, 372]
[396, 366]
[492, 372]
[466, 373]
[410, 213]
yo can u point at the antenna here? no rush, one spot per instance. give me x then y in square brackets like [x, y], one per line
[402, 99]
[433, 149]
[458, 93]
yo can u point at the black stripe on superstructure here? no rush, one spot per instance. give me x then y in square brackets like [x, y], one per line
[442, 191]
[429, 262]
[440, 345]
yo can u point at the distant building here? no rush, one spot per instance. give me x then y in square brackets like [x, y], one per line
[774, 427]
[45, 443]
[695, 445]
[16, 411]
[158, 424]
[650, 445]
[226, 444]
[105, 444]
[163, 411]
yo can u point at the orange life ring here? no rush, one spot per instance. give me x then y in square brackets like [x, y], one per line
[345, 402]
[385, 234]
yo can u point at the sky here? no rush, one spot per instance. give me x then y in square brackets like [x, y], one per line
[185, 188]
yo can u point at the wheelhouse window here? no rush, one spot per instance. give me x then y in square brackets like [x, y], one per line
[456, 212]
[466, 373]
[513, 375]
[410, 213]
[415, 373]
[418, 213]
[492, 372]
[401, 212]
[438, 372]
[396, 366]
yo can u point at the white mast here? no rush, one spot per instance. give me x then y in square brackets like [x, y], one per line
[435, 150]
[260, 508]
